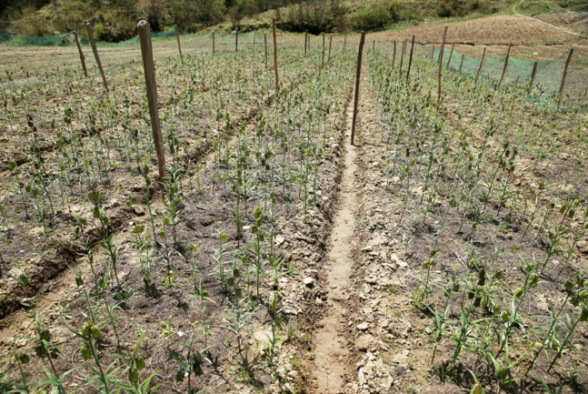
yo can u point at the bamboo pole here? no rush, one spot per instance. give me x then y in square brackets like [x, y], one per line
[481, 63]
[533, 73]
[178, 37]
[410, 59]
[505, 64]
[237, 39]
[330, 43]
[276, 55]
[357, 78]
[323, 50]
[401, 58]
[213, 43]
[461, 63]
[394, 55]
[82, 58]
[305, 42]
[90, 31]
[265, 40]
[150, 82]
[441, 64]
[565, 72]
[450, 55]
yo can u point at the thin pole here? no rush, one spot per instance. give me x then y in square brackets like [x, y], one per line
[394, 55]
[410, 59]
[330, 43]
[373, 45]
[441, 63]
[276, 55]
[213, 46]
[505, 64]
[237, 39]
[305, 42]
[565, 71]
[461, 63]
[147, 53]
[178, 37]
[357, 77]
[265, 39]
[344, 40]
[254, 35]
[450, 55]
[83, 60]
[402, 58]
[323, 50]
[90, 31]
[533, 73]
[432, 51]
[481, 63]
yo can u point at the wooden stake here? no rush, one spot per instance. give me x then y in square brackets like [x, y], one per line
[305, 42]
[265, 40]
[178, 37]
[344, 40]
[373, 45]
[276, 55]
[213, 46]
[147, 53]
[83, 60]
[565, 72]
[505, 64]
[357, 77]
[481, 63]
[432, 51]
[402, 58]
[323, 50]
[237, 39]
[450, 55]
[90, 31]
[410, 59]
[441, 64]
[461, 63]
[394, 56]
[330, 43]
[533, 73]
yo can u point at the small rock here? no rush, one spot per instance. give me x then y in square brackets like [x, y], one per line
[362, 326]
[308, 281]
[319, 301]
[363, 342]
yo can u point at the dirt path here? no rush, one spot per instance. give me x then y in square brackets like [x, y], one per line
[332, 355]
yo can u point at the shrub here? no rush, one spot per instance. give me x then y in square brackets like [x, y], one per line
[447, 8]
[98, 29]
[369, 19]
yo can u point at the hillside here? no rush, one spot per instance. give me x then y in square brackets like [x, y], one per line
[115, 20]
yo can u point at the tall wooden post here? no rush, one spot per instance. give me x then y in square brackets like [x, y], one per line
[330, 43]
[402, 58]
[276, 55]
[410, 59]
[90, 31]
[565, 72]
[213, 43]
[481, 63]
[150, 82]
[323, 49]
[305, 41]
[178, 37]
[82, 58]
[394, 55]
[450, 54]
[265, 40]
[357, 79]
[461, 63]
[533, 73]
[505, 64]
[441, 64]
[237, 39]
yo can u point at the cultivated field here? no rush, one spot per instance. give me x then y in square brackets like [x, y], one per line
[444, 251]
